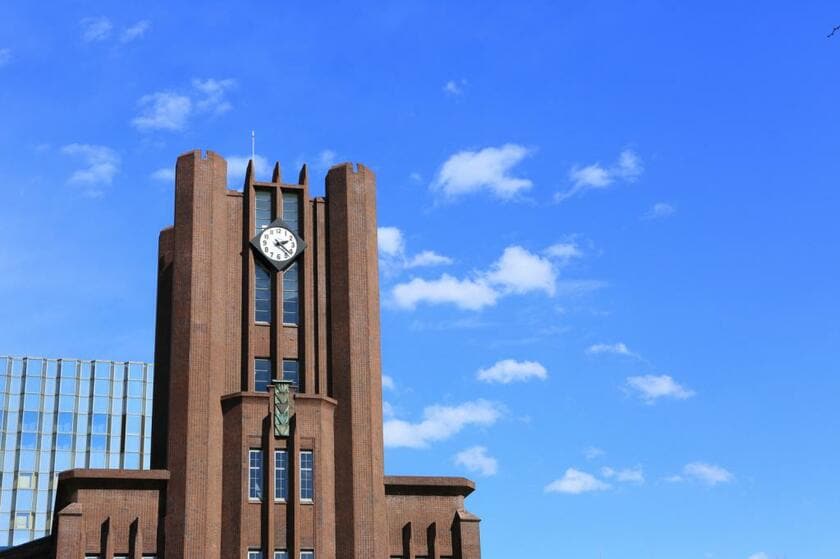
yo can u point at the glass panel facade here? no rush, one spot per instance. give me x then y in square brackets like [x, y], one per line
[281, 475]
[307, 488]
[263, 299]
[262, 374]
[264, 210]
[291, 294]
[57, 414]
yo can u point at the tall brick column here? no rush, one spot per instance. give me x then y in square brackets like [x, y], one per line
[361, 522]
[197, 357]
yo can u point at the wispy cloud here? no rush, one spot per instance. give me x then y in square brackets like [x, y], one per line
[611, 349]
[135, 31]
[393, 257]
[708, 474]
[651, 388]
[759, 555]
[455, 87]
[626, 475]
[164, 174]
[5, 56]
[509, 370]
[169, 110]
[627, 168]
[660, 210]
[101, 164]
[212, 95]
[593, 452]
[575, 482]
[489, 169]
[476, 459]
[388, 383]
[95, 29]
[439, 423]
[163, 111]
[564, 252]
[516, 272]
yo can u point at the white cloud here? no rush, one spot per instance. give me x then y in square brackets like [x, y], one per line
[575, 482]
[455, 87]
[627, 475]
[759, 555]
[652, 387]
[5, 56]
[390, 241]
[238, 164]
[476, 459]
[519, 271]
[101, 164]
[487, 169]
[392, 253]
[96, 29]
[428, 258]
[708, 474]
[508, 370]
[165, 174]
[163, 111]
[134, 32]
[326, 159]
[593, 452]
[439, 423]
[387, 409]
[168, 110]
[388, 383]
[660, 210]
[628, 168]
[564, 251]
[465, 294]
[213, 92]
[615, 349]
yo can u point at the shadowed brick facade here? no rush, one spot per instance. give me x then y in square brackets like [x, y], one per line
[211, 422]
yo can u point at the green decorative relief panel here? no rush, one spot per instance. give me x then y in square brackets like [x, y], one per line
[283, 408]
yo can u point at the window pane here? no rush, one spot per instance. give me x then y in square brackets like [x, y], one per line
[306, 478]
[291, 210]
[262, 374]
[255, 471]
[263, 300]
[291, 291]
[264, 209]
[291, 372]
[307, 555]
[281, 475]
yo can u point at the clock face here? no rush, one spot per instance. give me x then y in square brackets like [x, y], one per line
[278, 243]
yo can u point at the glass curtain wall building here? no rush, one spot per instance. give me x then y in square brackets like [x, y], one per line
[59, 414]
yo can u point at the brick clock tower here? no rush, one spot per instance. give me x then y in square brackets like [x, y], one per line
[267, 425]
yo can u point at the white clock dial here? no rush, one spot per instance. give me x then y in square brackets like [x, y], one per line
[278, 243]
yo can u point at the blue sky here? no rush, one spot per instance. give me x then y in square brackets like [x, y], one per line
[610, 244]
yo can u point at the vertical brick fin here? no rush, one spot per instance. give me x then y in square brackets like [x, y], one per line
[163, 320]
[70, 529]
[466, 542]
[199, 344]
[355, 363]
